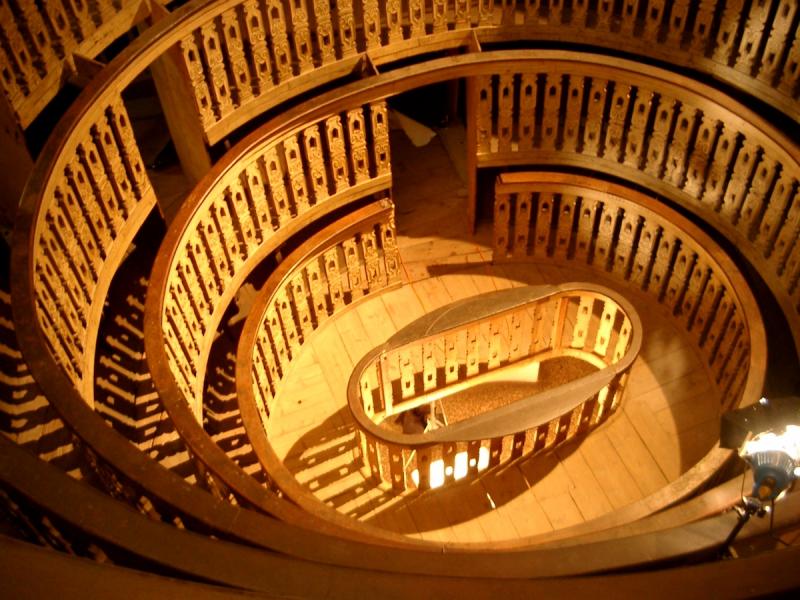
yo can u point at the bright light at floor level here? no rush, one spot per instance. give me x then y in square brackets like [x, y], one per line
[459, 470]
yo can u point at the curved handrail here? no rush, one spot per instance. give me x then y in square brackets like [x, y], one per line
[524, 414]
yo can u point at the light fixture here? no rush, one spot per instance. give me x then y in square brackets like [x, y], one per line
[769, 442]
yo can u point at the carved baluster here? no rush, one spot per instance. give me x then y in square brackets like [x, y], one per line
[128, 148]
[717, 321]
[220, 88]
[699, 157]
[694, 289]
[60, 241]
[623, 252]
[32, 19]
[505, 110]
[551, 115]
[265, 217]
[189, 308]
[20, 76]
[617, 117]
[114, 170]
[280, 39]
[483, 118]
[564, 227]
[485, 12]
[740, 177]
[657, 146]
[333, 276]
[706, 308]
[198, 269]
[791, 271]
[439, 15]
[502, 226]
[791, 70]
[627, 22]
[416, 17]
[301, 35]
[544, 218]
[297, 175]
[605, 234]
[248, 225]
[288, 324]
[472, 356]
[63, 36]
[773, 219]
[703, 21]
[323, 30]
[94, 213]
[347, 27]
[635, 142]
[677, 22]
[204, 255]
[523, 210]
[380, 138]
[727, 348]
[372, 23]
[724, 48]
[572, 116]
[778, 39]
[751, 37]
[355, 279]
[604, 12]
[394, 20]
[298, 289]
[526, 126]
[594, 116]
[555, 11]
[316, 284]
[645, 254]
[191, 57]
[376, 276]
[278, 339]
[359, 158]
[604, 329]
[681, 273]
[103, 191]
[259, 52]
[267, 353]
[585, 234]
[239, 68]
[462, 13]
[653, 18]
[677, 154]
[391, 254]
[231, 254]
[338, 155]
[57, 328]
[580, 12]
[720, 164]
[517, 338]
[660, 274]
[80, 231]
[757, 196]
[53, 286]
[312, 144]
[277, 186]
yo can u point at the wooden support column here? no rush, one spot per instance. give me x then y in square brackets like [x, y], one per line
[175, 92]
[16, 163]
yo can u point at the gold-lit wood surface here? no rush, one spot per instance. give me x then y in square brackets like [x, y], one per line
[668, 420]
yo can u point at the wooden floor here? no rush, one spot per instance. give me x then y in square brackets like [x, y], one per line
[668, 421]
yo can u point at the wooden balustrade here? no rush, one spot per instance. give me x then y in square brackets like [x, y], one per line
[491, 339]
[350, 259]
[732, 171]
[275, 188]
[302, 43]
[98, 196]
[570, 219]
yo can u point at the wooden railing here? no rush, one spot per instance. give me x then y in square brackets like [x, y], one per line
[42, 42]
[734, 172]
[493, 338]
[269, 193]
[577, 220]
[244, 59]
[351, 259]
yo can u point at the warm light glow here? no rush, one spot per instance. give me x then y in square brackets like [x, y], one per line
[459, 470]
[788, 441]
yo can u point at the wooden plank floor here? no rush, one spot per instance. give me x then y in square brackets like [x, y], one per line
[668, 421]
